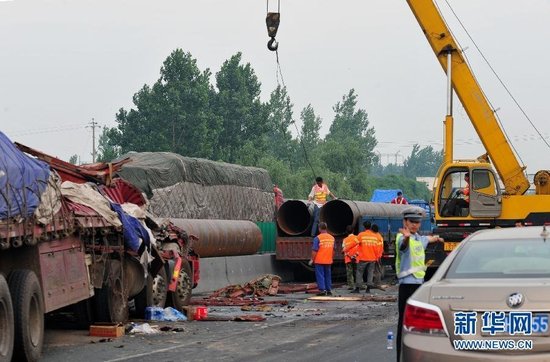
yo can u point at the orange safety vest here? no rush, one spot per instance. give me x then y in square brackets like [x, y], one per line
[380, 245]
[326, 249]
[350, 247]
[368, 246]
[466, 193]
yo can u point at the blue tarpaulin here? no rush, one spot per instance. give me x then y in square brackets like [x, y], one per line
[131, 229]
[383, 195]
[22, 181]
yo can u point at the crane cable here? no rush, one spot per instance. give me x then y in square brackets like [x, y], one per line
[273, 46]
[498, 77]
[477, 82]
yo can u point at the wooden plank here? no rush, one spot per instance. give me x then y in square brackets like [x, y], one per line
[367, 298]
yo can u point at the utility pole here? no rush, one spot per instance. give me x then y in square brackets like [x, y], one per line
[93, 125]
[397, 153]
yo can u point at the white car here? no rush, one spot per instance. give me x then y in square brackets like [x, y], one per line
[488, 301]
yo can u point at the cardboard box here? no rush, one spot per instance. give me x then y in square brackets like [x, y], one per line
[190, 312]
[195, 312]
[106, 330]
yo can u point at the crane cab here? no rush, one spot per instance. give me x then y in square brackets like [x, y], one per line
[467, 191]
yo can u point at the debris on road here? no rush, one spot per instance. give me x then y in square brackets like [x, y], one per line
[267, 284]
[297, 288]
[168, 314]
[256, 308]
[239, 318]
[366, 298]
[106, 330]
[144, 328]
[237, 302]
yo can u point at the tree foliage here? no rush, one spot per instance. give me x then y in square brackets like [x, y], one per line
[175, 114]
[73, 159]
[183, 112]
[422, 162]
[243, 117]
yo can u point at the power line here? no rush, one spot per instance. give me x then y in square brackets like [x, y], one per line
[53, 129]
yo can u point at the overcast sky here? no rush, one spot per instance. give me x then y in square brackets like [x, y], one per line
[63, 63]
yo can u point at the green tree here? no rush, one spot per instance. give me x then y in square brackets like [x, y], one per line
[411, 188]
[311, 125]
[107, 150]
[73, 159]
[350, 132]
[422, 162]
[281, 144]
[243, 116]
[305, 148]
[174, 115]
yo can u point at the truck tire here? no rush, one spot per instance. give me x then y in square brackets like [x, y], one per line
[143, 299]
[83, 314]
[153, 294]
[111, 302]
[159, 288]
[182, 296]
[28, 306]
[6, 322]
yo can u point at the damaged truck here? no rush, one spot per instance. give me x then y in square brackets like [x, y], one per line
[72, 238]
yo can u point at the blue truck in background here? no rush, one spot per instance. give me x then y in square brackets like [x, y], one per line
[389, 226]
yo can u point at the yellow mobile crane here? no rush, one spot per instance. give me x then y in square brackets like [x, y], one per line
[467, 193]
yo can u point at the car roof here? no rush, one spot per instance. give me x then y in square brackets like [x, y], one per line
[513, 233]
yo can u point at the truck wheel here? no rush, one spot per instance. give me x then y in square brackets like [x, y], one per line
[153, 294]
[83, 314]
[182, 296]
[111, 302]
[28, 306]
[6, 321]
[159, 288]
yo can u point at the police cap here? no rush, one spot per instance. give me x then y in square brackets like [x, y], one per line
[413, 213]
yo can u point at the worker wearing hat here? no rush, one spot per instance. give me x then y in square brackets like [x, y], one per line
[410, 263]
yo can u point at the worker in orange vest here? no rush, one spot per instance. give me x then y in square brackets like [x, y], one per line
[321, 256]
[378, 266]
[368, 254]
[350, 248]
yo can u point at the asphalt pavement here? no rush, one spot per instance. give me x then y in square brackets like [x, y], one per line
[303, 330]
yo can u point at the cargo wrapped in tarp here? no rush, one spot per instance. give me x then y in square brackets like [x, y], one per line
[22, 181]
[194, 188]
[384, 195]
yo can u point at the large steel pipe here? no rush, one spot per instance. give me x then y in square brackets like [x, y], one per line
[222, 237]
[340, 213]
[294, 217]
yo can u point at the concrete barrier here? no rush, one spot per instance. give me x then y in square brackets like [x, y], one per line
[219, 272]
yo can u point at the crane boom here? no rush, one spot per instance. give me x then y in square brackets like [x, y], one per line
[471, 96]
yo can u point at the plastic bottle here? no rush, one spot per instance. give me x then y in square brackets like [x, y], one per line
[389, 339]
[154, 313]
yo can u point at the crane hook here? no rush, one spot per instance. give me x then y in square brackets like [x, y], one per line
[272, 21]
[273, 45]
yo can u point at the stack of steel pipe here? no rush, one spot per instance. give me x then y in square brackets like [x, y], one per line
[295, 217]
[340, 213]
[222, 237]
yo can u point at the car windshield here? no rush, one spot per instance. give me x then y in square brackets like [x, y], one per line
[501, 259]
